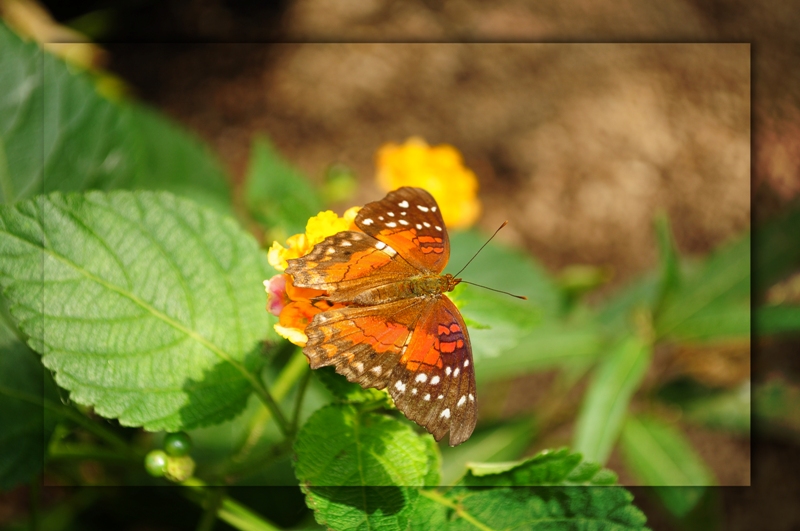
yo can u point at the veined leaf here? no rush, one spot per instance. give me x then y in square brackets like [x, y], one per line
[658, 455]
[606, 401]
[540, 508]
[26, 425]
[550, 467]
[58, 133]
[144, 305]
[359, 469]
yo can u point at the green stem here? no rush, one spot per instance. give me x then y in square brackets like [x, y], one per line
[211, 513]
[67, 452]
[298, 403]
[294, 369]
[438, 498]
[231, 511]
[272, 406]
[65, 411]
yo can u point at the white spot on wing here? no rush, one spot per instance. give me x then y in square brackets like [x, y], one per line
[448, 370]
[403, 204]
[359, 366]
[435, 380]
[403, 222]
[440, 397]
[391, 224]
[455, 372]
[400, 386]
[426, 397]
[438, 228]
[413, 390]
[423, 208]
[466, 363]
[419, 227]
[461, 401]
[390, 251]
[380, 246]
[390, 214]
[346, 243]
[421, 377]
[377, 369]
[330, 250]
[433, 209]
[427, 225]
[446, 413]
[367, 221]
[471, 398]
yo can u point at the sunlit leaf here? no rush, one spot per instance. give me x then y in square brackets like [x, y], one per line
[144, 305]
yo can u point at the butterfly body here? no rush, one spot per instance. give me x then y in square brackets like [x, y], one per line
[396, 328]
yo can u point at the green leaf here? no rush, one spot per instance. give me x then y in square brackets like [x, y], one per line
[343, 453]
[723, 279]
[348, 391]
[670, 271]
[657, 454]
[502, 443]
[549, 467]
[277, 195]
[58, 133]
[606, 402]
[781, 319]
[519, 274]
[26, 425]
[551, 344]
[540, 508]
[776, 252]
[145, 306]
[725, 409]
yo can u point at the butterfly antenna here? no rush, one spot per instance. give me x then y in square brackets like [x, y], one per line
[473, 258]
[523, 297]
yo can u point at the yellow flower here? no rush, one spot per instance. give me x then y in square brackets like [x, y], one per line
[296, 307]
[440, 170]
[318, 228]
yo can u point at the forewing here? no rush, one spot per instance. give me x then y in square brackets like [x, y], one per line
[408, 220]
[346, 264]
[363, 343]
[434, 381]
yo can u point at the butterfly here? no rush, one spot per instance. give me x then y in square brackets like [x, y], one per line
[396, 329]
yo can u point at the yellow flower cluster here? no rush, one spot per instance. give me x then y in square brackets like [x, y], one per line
[438, 169]
[295, 307]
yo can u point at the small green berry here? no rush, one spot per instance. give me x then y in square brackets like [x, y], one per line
[155, 462]
[177, 444]
[179, 468]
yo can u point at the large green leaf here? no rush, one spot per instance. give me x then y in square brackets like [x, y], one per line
[359, 469]
[606, 401]
[58, 133]
[550, 467]
[26, 425]
[657, 454]
[539, 508]
[145, 306]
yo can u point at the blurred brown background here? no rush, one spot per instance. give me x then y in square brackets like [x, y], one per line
[578, 145]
